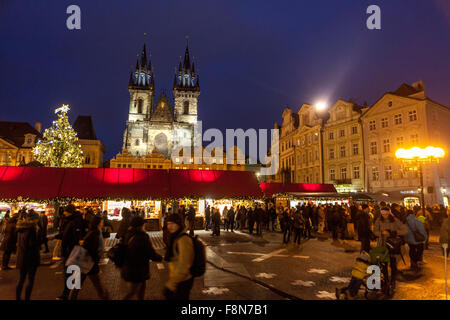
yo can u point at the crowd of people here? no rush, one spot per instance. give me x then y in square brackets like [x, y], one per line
[25, 233]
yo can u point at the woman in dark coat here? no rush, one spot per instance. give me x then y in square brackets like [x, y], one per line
[139, 251]
[9, 241]
[28, 252]
[93, 243]
[124, 224]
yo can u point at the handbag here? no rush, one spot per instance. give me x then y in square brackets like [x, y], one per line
[80, 257]
[417, 235]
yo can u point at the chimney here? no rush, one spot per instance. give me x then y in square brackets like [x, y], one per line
[38, 126]
[419, 85]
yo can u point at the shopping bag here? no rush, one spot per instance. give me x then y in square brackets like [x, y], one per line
[351, 230]
[80, 257]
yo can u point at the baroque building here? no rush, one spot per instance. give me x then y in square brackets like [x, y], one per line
[17, 140]
[161, 125]
[93, 149]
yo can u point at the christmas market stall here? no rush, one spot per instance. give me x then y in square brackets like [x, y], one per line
[149, 191]
[291, 194]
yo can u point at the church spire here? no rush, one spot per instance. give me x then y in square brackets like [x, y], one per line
[144, 58]
[187, 62]
[131, 81]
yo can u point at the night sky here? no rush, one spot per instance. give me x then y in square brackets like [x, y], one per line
[254, 57]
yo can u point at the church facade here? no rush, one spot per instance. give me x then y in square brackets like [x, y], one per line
[162, 125]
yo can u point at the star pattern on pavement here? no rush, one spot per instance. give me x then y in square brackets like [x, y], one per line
[303, 283]
[319, 271]
[215, 291]
[326, 295]
[340, 279]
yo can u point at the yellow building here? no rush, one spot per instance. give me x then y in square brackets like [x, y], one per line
[343, 147]
[17, 139]
[300, 146]
[156, 160]
[93, 149]
[403, 119]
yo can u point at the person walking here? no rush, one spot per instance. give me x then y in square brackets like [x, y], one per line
[180, 256]
[191, 220]
[93, 243]
[43, 227]
[139, 251]
[9, 240]
[298, 224]
[387, 226]
[415, 246]
[231, 215]
[225, 218]
[259, 217]
[287, 223]
[216, 222]
[208, 218]
[72, 232]
[124, 224]
[238, 217]
[165, 231]
[28, 251]
[243, 218]
[363, 228]
[272, 216]
[251, 220]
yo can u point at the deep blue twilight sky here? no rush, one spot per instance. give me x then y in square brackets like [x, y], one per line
[254, 57]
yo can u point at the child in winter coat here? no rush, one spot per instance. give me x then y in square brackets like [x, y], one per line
[359, 275]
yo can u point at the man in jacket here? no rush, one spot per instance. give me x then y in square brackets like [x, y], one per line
[72, 232]
[207, 218]
[28, 256]
[180, 256]
[139, 251]
[9, 241]
[216, 222]
[44, 225]
[415, 247]
[191, 220]
[231, 215]
[363, 228]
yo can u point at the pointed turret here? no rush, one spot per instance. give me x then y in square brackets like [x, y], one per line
[175, 82]
[187, 62]
[144, 58]
[197, 83]
[137, 65]
[149, 65]
[193, 68]
[131, 82]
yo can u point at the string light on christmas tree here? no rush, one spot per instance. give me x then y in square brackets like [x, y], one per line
[59, 146]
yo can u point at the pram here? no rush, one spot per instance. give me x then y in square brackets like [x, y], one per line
[380, 257]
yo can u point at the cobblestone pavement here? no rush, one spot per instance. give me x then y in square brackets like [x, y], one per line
[258, 267]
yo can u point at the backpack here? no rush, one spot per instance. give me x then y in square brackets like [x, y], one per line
[117, 253]
[198, 267]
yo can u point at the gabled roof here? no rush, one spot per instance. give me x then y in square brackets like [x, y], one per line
[405, 90]
[15, 132]
[85, 128]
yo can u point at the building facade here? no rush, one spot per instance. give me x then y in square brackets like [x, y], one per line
[403, 119]
[93, 149]
[162, 125]
[343, 147]
[17, 140]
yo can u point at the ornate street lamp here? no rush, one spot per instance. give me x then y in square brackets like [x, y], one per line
[414, 159]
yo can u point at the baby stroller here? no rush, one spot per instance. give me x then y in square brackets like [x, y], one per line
[380, 257]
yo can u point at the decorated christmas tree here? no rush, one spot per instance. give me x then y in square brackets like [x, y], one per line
[59, 146]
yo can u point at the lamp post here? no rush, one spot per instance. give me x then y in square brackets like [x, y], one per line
[416, 157]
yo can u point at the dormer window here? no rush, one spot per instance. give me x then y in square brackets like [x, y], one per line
[29, 140]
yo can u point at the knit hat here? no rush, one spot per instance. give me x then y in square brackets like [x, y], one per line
[175, 218]
[364, 256]
[137, 222]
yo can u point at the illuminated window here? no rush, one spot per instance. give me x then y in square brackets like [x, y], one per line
[386, 145]
[372, 125]
[388, 172]
[400, 141]
[331, 136]
[332, 174]
[384, 122]
[414, 138]
[342, 151]
[355, 149]
[373, 147]
[412, 115]
[398, 118]
[375, 174]
[343, 173]
[331, 153]
[356, 172]
[354, 130]
[342, 133]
